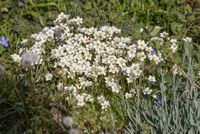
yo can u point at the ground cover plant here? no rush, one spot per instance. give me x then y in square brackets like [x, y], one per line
[124, 66]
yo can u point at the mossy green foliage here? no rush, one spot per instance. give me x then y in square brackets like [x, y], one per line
[177, 16]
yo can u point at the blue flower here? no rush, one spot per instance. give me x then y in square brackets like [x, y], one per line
[151, 82]
[4, 41]
[152, 79]
[159, 102]
[20, 46]
[154, 52]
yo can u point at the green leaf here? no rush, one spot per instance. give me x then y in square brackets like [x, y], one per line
[45, 5]
[155, 31]
[88, 5]
[176, 27]
[4, 9]
[2, 49]
[39, 131]
[188, 9]
[177, 58]
[52, 97]
[53, 86]
[157, 44]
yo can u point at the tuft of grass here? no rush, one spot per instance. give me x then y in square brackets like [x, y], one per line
[177, 110]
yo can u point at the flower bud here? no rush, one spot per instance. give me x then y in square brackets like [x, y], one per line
[68, 121]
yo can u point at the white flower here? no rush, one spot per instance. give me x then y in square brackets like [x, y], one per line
[48, 76]
[132, 53]
[152, 79]
[141, 30]
[187, 40]
[173, 41]
[24, 41]
[147, 91]
[89, 98]
[121, 62]
[128, 95]
[50, 33]
[61, 17]
[77, 20]
[174, 48]
[104, 103]
[149, 49]
[60, 86]
[154, 96]
[141, 44]
[157, 27]
[199, 73]
[16, 57]
[141, 56]
[175, 69]
[137, 72]
[80, 99]
[133, 91]
[129, 80]
[163, 34]
[115, 88]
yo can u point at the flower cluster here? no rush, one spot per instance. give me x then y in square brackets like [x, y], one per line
[130, 94]
[84, 55]
[174, 45]
[82, 98]
[104, 103]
